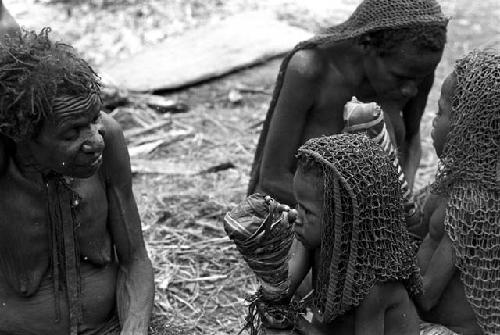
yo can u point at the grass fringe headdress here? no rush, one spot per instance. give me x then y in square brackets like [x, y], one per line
[33, 72]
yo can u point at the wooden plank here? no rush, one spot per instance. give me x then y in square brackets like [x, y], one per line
[161, 166]
[206, 52]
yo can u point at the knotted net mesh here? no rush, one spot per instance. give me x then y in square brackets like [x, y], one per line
[469, 175]
[369, 16]
[364, 239]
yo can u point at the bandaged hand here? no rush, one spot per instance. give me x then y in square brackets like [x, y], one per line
[275, 316]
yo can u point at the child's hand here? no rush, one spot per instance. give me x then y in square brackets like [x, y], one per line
[304, 327]
[274, 317]
[289, 213]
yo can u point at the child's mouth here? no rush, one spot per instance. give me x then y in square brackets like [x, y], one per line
[298, 236]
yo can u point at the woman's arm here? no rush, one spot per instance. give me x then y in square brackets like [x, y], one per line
[287, 126]
[411, 148]
[135, 286]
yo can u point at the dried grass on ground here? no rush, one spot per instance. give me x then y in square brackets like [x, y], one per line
[200, 280]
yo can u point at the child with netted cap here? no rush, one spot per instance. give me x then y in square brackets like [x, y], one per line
[350, 231]
[385, 52]
[460, 256]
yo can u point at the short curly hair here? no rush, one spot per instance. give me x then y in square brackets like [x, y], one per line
[33, 71]
[424, 37]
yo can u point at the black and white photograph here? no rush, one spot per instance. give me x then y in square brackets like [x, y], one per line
[239, 167]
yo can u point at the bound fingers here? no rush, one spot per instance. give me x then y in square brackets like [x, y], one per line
[276, 320]
[289, 214]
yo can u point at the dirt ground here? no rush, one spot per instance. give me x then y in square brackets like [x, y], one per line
[200, 280]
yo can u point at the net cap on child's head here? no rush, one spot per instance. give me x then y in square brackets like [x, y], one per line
[471, 151]
[364, 238]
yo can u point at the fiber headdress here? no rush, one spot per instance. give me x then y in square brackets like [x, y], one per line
[369, 16]
[469, 175]
[364, 238]
[34, 71]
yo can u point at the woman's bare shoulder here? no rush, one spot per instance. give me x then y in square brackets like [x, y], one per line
[308, 63]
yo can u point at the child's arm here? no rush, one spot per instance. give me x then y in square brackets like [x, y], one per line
[304, 327]
[369, 315]
[433, 214]
[437, 274]
[298, 266]
[287, 126]
[436, 257]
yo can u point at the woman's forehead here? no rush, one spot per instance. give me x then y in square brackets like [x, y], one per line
[75, 107]
[410, 58]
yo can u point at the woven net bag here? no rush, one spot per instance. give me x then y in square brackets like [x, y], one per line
[364, 238]
[469, 175]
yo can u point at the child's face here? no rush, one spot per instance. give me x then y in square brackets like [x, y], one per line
[308, 190]
[71, 142]
[440, 125]
[395, 77]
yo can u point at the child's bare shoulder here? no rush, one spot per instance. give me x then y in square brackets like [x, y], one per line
[308, 63]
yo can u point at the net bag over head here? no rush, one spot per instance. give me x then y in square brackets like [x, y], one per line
[369, 16]
[469, 175]
[364, 238]
[263, 235]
